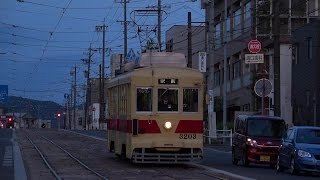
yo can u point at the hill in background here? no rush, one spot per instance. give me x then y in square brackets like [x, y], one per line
[39, 109]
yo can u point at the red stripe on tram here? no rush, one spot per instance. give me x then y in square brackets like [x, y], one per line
[190, 126]
[148, 126]
[145, 126]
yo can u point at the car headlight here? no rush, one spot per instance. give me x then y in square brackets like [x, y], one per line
[303, 154]
[252, 142]
[168, 125]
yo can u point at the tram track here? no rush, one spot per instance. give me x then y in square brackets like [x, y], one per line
[92, 152]
[57, 161]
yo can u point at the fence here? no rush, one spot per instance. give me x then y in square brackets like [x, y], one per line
[219, 136]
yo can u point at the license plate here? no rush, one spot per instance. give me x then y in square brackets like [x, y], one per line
[265, 158]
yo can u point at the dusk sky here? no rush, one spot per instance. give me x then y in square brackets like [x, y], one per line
[41, 41]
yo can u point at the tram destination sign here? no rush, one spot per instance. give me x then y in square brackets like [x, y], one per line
[168, 81]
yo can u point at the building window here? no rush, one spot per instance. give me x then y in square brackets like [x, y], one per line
[309, 48]
[228, 34]
[236, 70]
[237, 23]
[217, 78]
[247, 16]
[217, 36]
[298, 8]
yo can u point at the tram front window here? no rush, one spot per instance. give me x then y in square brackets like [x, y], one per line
[144, 99]
[167, 99]
[190, 100]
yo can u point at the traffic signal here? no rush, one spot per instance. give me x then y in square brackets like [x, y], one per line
[57, 115]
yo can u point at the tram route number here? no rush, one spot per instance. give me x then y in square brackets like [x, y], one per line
[187, 136]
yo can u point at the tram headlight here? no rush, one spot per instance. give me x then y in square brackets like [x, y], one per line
[168, 125]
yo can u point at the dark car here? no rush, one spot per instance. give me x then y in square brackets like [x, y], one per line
[257, 139]
[300, 150]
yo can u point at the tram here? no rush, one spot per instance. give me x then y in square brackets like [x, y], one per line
[6, 121]
[155, 111]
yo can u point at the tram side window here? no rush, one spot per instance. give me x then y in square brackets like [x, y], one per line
[167, 99]
[144, 99]
[190, 100]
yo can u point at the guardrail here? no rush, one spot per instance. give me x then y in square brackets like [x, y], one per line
[218, 135]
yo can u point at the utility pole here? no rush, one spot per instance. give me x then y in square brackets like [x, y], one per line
[314, 109]
[159, 24]
[70, 100]
[276, 56]
[88, 89]
[66, 110]
[100, 91]
[67, 116]
[225, 68]
[189, 41]
[102, 106]
[125, 31]
[125, 28]
[209, 48]
[74, 97]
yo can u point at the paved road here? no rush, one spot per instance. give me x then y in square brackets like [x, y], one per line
[219, 157]
[215, 158]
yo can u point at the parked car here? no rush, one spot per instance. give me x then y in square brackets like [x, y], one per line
[300, 150]
[257, 139]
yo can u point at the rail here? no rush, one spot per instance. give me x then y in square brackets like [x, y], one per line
[49, 165]
[218, 135]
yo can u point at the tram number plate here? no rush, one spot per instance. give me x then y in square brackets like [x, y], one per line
[187, 136]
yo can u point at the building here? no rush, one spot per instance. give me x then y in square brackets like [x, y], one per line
[246, 20]
[177, 41]
[306, 74]
[24, 120]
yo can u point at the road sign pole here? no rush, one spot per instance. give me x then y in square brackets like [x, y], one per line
[263, 95]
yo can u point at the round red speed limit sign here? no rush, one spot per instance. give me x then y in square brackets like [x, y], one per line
[254, 46]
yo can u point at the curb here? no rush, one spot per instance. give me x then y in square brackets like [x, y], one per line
[19, 170]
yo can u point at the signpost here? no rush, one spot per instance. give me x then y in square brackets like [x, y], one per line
[263, 87]
[254, 46]
[254, 58]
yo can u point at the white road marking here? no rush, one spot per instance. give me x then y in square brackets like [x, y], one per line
[218, 171]
[8, 160]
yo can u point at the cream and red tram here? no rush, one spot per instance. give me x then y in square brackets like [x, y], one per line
[155, 112]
